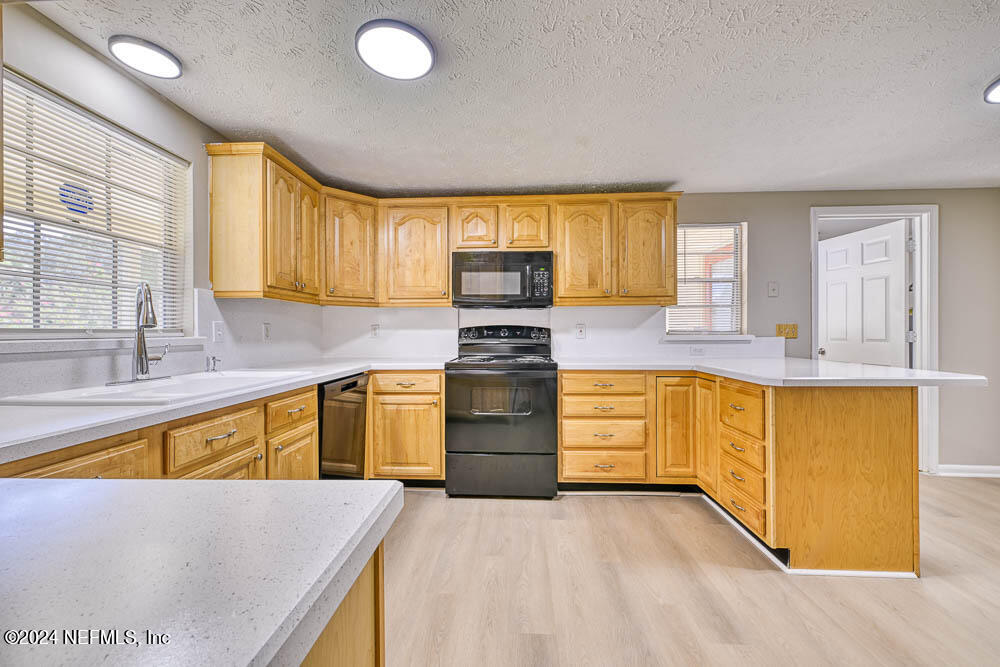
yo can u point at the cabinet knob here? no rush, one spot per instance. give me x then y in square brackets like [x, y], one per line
[625, 291]
[278, 448]
[444, 292]
[510, 240]
[607, 291]
[332, 290]
[259, 457]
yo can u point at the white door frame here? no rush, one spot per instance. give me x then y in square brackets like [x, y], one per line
[924, 219]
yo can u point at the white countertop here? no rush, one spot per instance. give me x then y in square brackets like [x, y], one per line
[251, 581]
[29, 430]
[786, 371]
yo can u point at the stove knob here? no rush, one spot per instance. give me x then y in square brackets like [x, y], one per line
[544, 335]
[503, 332]
[473, 334]
[534, 334]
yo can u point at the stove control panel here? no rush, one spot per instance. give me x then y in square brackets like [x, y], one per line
[504, 332]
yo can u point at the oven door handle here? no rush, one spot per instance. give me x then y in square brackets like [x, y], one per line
[480, 413]
[541, 375]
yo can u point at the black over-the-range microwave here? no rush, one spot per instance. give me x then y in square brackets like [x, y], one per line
[494, 279]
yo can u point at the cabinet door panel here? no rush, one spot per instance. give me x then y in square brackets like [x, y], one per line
[294, 455]
[308, 240]
[584, 251]
[350, 249]
[407, 436]
[418, 253]
[476, 227]
[244, 464]
[128, 461]
[282, 254]
[675, 407]
[526, 226]
[706, 433]
[647, 241]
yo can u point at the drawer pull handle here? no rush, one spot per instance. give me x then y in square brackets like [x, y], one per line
[604, 407]
[301, 408]
[604, 384]
[604, 435]
[739, 449]
[738, 408]
[736, 477]
[222, 436]
[736, 505]
[405, 384]
[604, 466]
[98, 476]
[259, 457]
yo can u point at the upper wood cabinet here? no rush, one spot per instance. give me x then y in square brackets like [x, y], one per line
[265, 225]
[526, 226]
[475, 227]
[349, 234]
[675, 426]
[706, 427]
[584, 250]
[647, 256]
[416, 255]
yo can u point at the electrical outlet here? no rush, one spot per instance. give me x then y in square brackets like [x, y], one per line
[772, 288]
[581, 330]
[218, 331]
[696, 351]
[786, 330]
[266, 332]
[376, 330]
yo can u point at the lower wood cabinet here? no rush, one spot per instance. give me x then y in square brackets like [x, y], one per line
[127, 461]
[675, 426]
[407, 436]
[295, 454]
[247, 463]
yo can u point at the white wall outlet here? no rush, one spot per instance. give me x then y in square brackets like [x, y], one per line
[772, 288]
[265, 332]
[581, 330]
[376, 330]
[696, 351]
[218, 331]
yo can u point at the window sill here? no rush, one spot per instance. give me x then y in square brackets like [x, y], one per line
[706, 338]
[59, 345]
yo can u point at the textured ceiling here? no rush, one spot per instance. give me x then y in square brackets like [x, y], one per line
[699, 95]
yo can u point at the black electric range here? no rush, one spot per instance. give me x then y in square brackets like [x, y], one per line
[500, 413]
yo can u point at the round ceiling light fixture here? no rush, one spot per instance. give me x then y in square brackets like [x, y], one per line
[144, 56]
[394, 49]
[992, 94]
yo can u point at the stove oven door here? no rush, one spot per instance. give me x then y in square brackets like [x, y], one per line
[500, 412]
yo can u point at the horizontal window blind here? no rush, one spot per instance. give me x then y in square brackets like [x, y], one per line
[711, 280]
[90, 211]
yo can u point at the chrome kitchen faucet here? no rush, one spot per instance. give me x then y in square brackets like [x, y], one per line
[145, 318]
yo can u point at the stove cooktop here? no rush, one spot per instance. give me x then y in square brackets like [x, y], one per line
[501, 362]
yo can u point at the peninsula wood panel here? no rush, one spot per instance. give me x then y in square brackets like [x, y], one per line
[526, 226]
[476, 227]
[350, 250]
[355, 634]
[417, 258]
[844, 478]
[675, 426]
[647, 249]
[584, 251]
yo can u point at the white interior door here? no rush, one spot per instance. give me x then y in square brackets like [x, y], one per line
[862, 296]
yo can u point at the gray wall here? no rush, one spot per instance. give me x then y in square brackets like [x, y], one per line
[969, 306]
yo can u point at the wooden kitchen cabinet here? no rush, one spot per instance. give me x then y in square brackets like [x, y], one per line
[417, 266]
[526, 226]
[706, 427]
[349, 234]
[295, 454]
[126, 461]
[584, 251]
[647, 249]
[475, 227]
[405, 426]
[265, 225]
[675, 426]
[246, 463]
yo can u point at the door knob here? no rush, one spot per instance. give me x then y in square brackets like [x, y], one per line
[821, 351]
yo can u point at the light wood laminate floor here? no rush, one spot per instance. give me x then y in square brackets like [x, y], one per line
[641, 580]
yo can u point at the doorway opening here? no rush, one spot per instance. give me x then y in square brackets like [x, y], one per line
[874, 295]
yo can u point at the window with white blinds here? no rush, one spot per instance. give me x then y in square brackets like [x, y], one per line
[90, 210]
[711, 280]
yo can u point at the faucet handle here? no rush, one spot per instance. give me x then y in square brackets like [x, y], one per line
[211, 363]
[154, 358]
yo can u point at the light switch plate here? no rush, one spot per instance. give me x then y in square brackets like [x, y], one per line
[772, 288]
[218, 331]
[786, 330]
[266, 332]
[376, 330]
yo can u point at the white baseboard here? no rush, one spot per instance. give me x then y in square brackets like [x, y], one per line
[958, 470]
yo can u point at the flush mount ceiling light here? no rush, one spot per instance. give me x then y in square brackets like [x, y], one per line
[992, 94]
[144, 56]
[394, 49]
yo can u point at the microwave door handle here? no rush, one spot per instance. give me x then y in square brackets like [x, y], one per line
[527, 282]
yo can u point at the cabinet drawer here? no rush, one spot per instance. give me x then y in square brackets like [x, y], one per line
[743, 477]
[603, 434]
[604, 406]
[596, 383]
[128, 461]
[292, 410]
[189, 444]
[604, 465]
[247, 463]
[743, 449]
[743, 508]
[742, 408]
[415, 382]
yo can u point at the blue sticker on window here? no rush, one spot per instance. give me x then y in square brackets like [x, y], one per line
[76, 198]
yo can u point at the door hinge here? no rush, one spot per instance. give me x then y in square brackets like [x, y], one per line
[911, 245]
[911, 336]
